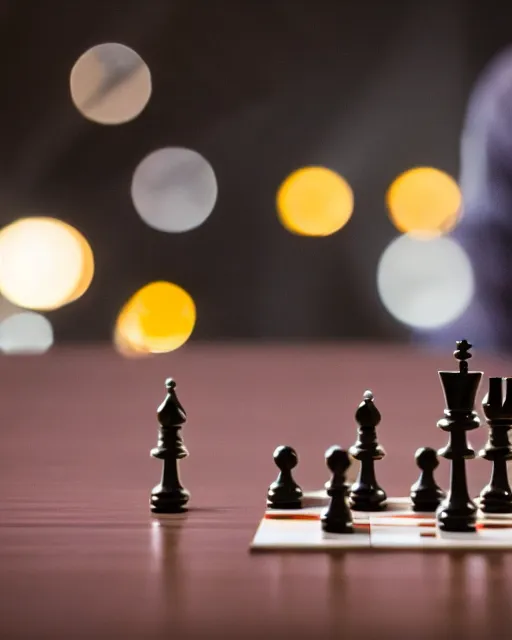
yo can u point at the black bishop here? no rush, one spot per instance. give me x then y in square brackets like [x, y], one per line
[366, 494]
[170, 496]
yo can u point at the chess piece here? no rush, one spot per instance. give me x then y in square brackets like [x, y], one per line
[458, 512]
[365, 493]
[496, 497]
[426, 495]
[285, 493]
[337, 518]
[169, 496]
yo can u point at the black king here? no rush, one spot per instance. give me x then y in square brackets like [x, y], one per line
[169, 496]
[458, 512]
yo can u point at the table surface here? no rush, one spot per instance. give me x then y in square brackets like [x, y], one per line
[81, 557]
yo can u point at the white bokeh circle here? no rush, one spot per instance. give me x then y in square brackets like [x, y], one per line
[41, 262]
[425, 284]
[25, 332]
[174, 189]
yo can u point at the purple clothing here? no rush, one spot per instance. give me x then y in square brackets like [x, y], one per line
[485, 228]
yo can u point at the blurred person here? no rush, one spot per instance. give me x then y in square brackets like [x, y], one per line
[485, 226]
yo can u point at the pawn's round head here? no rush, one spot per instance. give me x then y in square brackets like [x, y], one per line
[426, 459]
[337, 459]
[170, 384]
[285, 458]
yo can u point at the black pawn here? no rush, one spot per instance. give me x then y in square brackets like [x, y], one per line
[426, 495]
[496, 497]
[169, 496]
[337, 518]
[285, 493]
[366, 494]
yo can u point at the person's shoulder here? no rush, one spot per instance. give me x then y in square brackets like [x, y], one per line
[489, 108]
[495, 80]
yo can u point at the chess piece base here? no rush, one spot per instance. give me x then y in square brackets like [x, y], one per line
[297, 504]
[427, 500]
[335, 526]
[425, 507]
[367, 499]
[165, 501]
[456, 519]
[284, 497]
[495, 501]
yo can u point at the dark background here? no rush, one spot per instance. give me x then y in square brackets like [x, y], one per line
[259, 88]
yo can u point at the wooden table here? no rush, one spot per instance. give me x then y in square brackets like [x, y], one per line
[80, 556]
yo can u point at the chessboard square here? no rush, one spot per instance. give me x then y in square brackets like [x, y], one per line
[309, 512]
[305, 535]
[482, 538]
[395, 507]
[502, 518]
[315, 498]
[402, 505]
[394, 537]
[398, 520]
[321, 499]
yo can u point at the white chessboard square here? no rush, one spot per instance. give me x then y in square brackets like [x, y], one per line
[307, 535]
[407, 537]
[321, 499]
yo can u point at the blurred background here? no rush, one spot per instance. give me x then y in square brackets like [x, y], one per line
[238, 169]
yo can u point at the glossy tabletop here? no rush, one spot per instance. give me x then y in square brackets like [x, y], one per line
[81, 557]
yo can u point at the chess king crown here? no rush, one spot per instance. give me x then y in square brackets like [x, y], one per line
[460, 387]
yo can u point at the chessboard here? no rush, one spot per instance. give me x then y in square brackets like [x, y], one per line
[395, 528]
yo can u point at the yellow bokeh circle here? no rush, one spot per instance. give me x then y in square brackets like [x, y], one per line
[158, 318]
[87, 272]
[314, 201]
[123, 344]
[424, 201]
[44, 263]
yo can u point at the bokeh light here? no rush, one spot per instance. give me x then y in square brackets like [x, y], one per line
[174, 189]
[124, 347]
[425, 284]
[424, 201]
[110, 84]
[25, 333]
[44, 263]
[314, 201]
[7, 308]
[158, 318]
[87, 270]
